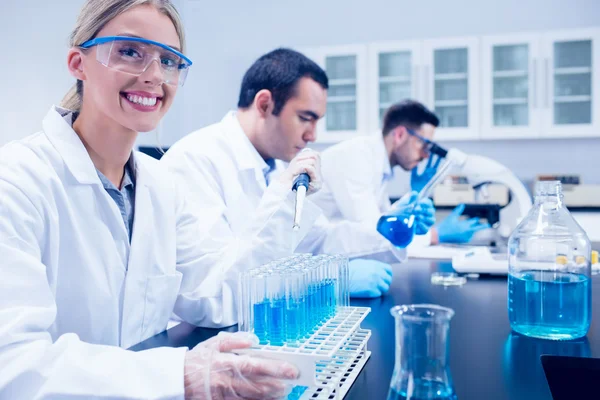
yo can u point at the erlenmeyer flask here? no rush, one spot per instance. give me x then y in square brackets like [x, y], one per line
[421, 371]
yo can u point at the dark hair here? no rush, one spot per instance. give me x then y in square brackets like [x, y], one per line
[279, 72]
[408, 113]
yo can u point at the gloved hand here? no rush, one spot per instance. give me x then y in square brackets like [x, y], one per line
[418, 181]
[211, 373]
[308, 161]
[453, 229]
[369, 278]
[424, 211]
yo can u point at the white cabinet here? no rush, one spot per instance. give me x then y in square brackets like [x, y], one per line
[511, 103]
[536, 85]
[451, 86]
[571, 84]
[346, 68]
[394, 75]
[442, 74]
[541, 85]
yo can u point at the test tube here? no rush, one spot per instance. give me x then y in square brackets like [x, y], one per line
[275, 315]
[344, 283]
[244, 301]
[294, 318]
[260, 306]
[323, 265]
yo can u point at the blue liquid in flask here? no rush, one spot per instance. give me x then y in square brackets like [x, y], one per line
[399, 231]
[549, 305]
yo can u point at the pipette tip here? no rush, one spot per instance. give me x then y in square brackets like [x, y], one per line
[296, 227]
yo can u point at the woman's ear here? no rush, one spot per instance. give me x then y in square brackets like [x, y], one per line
[75, 64]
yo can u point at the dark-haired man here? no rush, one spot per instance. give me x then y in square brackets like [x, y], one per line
[238, 165]
[356, 173]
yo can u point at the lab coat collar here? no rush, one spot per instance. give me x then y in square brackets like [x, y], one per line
[58, 127]
[246, 155]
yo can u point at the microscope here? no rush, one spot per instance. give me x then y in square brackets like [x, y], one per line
[483, 175]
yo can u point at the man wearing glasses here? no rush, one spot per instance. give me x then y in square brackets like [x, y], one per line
[356, 173]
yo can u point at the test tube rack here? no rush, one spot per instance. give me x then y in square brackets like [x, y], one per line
[330, 359]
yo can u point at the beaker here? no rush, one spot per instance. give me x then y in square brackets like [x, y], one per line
[421, 370]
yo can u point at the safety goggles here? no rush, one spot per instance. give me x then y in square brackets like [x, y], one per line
[427, 144]
[134, 55]
[429, 147]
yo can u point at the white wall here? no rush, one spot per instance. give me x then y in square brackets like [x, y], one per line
[34, 41]
[226, 39]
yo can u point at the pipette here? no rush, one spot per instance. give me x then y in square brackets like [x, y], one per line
[300, 187]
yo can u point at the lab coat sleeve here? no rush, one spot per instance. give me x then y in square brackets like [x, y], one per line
[349, 178]
[32, 365]
[211, 257]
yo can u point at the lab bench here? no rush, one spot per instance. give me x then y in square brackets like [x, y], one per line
[487, 360]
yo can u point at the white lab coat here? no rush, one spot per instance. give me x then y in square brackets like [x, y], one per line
[73, 292]
[222, 168]
[356, 173]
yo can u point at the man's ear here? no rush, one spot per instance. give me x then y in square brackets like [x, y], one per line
[263, 101]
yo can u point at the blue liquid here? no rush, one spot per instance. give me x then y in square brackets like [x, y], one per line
[276, 323]
[260, 321]
[329, 295]
[324, 307]
[297, 392]
[549, 305]
[314, 300]
[304, 326]
[424, 389]
[293, 323]
[397, 230]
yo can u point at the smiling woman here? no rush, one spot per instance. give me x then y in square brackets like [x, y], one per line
[97, 242]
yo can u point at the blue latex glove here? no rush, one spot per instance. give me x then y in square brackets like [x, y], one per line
[418, 181]
[424, 211]
[369, 278]
[453, 229]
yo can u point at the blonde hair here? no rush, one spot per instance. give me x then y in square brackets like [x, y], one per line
[94, 15]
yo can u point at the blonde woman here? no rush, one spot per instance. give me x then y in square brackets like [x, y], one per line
[97, 247]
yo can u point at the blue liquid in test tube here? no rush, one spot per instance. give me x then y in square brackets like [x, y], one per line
[260, 321]
[276, 322]
[293, 322]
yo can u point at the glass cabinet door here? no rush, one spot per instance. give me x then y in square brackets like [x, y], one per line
[395, 79]
[572, 80]
[571, 87]
[393, 76]
[452, 88]
[341, 98]
[510, 87]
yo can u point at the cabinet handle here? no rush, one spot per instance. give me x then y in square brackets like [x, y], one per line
[534, 82]
[547, 83]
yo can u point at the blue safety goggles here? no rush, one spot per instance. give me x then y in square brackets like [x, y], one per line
[134, 55]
